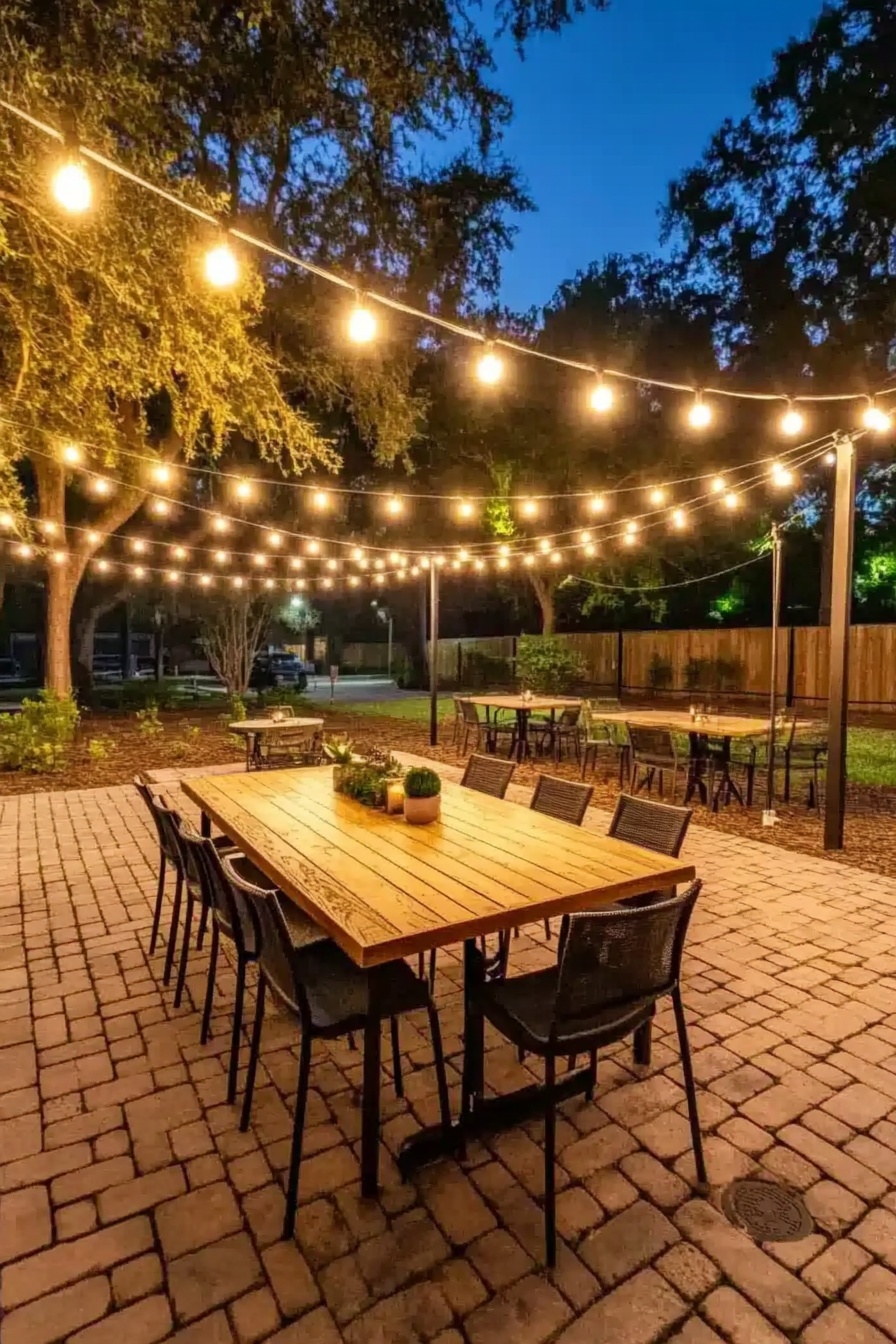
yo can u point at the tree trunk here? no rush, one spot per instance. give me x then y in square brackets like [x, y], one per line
[57, 655]
[544, 591]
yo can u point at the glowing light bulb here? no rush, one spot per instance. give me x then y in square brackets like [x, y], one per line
[320, 499]
[456, 565]
[731, 501]
[48, 527]
[219, 524]
[162, 474]
[361, 325]
[332, 564]
[717, 485]
[529, 560]
[243, 489]
[415, 570]
[529, 508]
[178, 553]
[94, 538]
[504, 549]
[237, 580]
[876, 419]
[424, 562]
[354, 581]
[173, 576]
[394, 557]
[24, 552]
[296, 562]
[259, 558]
[830, 459]
[103, 566]
[59, 557]
[101, 486]
[590, 550]
[657, 495]
[479, 566]
[584, 537]
[601, 398]
[597, 504]
[394, 506]
[439, 561]
[465, 509]
[313, 547]
[379, 579]
[699, 414]
[221, 557]
[71, 187]
[357, 554]
[221, 266]
[780, 474]
[503, 562]
[556, 557]
[631, 528]
[138, 572]
[71, 454]
[544, 544]
[679, 519]
[269, 583]
[402, 574]
[138, 545]
[489, 367]
[6, 519]
[379, 564]
[274, 539]
[463, 555]
[205, 580]
[630, 539]
[326, 583]
[161, 508]
[793, 421]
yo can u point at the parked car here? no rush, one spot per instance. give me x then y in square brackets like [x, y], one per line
[278, 669]
[10, 672]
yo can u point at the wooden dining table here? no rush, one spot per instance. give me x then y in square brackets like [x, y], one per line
[255, 730]
[699, 728]
[383, 889]
[523, 708]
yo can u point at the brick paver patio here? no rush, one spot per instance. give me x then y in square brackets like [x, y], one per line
[132, 1208]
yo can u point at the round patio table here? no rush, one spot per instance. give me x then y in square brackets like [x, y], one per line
[254, 731]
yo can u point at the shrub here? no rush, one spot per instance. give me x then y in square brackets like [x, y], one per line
[148, 724]
[547, 664]
[39, 737]
[99, 748]
[365, 783]
[659, 673]
[421, 782]
[339, 751]
[480, 670]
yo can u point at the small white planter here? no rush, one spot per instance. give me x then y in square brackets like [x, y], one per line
[421, 811]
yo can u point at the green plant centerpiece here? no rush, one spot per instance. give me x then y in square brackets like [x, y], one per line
[340, 752]
[422, 796]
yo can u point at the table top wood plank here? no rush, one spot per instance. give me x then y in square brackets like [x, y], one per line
[679, 720]
[383, 889]
[266, 725]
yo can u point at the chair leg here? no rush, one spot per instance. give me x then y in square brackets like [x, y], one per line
[210, 987]
[172, 933]
[185, 949]
[642, 1043]
[298, 1128]
[684, 1046]
[550, 1172]
[589, 1095]
[254, 1048]
[203, 925]
[237, 1028]
[396, 1058]
[421, 966]
[157, 912]
[370, 1108]
[547, 929]
[432, 969]
[438, 1055]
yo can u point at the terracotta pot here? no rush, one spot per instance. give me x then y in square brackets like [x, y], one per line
[338, 775]
[421, 811]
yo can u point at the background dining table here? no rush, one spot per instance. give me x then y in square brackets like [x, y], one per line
[523, 708]
[383, 889]
[254, 731]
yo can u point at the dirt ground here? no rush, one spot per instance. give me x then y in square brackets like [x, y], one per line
[870, 824]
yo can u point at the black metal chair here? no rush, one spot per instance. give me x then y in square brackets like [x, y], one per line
[564, 799]
[457, 727]
[654, 752]
[168, 855]
[613, 966]
[330, 997]
[470, 724]
[800, 748]
[486, 775]
[566, 729]
[657, 826]
[604, 737]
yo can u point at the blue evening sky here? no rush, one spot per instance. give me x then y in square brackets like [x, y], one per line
[612, 109]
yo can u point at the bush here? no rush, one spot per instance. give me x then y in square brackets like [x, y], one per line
[547, 664]
[421, 782]
[39, 737]
[480, 670]
[365, 783]
[148, 724]
[135, 695]
[99, 748]
[659, 673]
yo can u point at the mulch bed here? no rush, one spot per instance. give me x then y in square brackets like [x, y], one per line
[870, 824]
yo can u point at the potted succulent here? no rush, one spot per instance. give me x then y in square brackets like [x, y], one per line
[341, 753]
[422, 796]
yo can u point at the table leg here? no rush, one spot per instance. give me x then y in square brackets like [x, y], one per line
[698, 745]
[473, 1082]
[522, 735]
[205, 825]
[370, 1109]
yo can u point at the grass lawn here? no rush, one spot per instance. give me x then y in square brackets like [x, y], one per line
[412, 709]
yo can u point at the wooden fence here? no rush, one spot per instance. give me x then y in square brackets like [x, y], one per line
[732, 661]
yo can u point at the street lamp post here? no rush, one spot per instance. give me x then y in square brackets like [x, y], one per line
[384, 614]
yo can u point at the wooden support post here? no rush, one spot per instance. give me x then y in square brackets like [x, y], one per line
[841, 611]
[433, 654]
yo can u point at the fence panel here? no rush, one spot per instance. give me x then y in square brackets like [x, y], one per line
[872, 664]
[371, 657]
[598, 650]
[746, 652]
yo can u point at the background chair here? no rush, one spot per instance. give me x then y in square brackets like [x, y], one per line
[564, 799]
[601, 737]
[657, 826]
[169, 855]
[653, 752]
[487, 775]
[613, 966]
[470, 726]
[567, 729]
[330, 996]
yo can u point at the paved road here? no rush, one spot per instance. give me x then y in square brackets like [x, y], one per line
[356, 688]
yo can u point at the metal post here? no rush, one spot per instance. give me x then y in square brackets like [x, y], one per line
[841, 610]
[389, 650]
[768, 816]
[433, 654]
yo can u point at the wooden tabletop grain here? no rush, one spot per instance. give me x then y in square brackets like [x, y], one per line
[383, 889]
[679, 720]
[267, 725]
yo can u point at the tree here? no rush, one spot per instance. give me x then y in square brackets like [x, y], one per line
[305, 124]
[231, 636]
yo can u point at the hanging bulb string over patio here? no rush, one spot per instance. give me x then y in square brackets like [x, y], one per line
[495, 344]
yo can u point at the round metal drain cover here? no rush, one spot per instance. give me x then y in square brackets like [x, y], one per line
[767, 1211]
